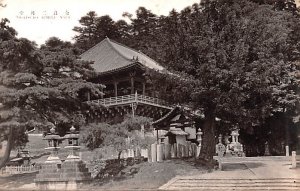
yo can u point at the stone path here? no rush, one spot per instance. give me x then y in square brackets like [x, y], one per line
[247, 173]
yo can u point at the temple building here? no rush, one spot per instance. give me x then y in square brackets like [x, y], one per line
[127, 91]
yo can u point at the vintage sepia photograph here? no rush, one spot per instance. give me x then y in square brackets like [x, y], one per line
[124, 95]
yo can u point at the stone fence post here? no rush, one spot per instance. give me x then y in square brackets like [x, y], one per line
[294, 160]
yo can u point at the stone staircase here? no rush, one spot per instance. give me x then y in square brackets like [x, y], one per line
[186, 183]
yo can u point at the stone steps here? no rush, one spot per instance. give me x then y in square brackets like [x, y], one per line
[232, 184]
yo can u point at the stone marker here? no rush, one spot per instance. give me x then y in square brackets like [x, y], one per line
[287, 151]
[144, 153]
[167, 150]
[130, 153]
[149, 154]
[179, 151]
[175, 150]
[186, 151]
[194, 149]
[173, 155]
[153, 152]
[220, 150]
[267, 150]
[160, 153]
[198, 149]
[183, 151]
[294, 161]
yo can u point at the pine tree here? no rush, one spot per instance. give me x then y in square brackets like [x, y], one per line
[40, 87]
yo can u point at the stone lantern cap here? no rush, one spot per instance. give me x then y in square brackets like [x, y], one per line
[52, 137]
[176, 125]
[72, 134]
[235, 133]
[25, 154]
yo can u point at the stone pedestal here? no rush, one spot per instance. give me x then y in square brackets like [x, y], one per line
[53, 158]
[65, 176]
[73, 153]
[57, 175]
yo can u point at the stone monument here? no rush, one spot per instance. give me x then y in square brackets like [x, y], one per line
[220, 148]
[267, 149]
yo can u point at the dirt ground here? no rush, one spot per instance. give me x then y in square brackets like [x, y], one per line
[150, 175]
[146, 176]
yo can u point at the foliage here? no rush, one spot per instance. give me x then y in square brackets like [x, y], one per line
[103, 135]
[41, 87]
[134, 123]
[94, 29]
[235, 60]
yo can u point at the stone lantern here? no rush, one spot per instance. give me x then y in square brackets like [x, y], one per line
[199, 136]
[53, 141]
[199, 139]
[73, 144]
[235, 145]
[68, 174]
[26, 157]
[235, 136]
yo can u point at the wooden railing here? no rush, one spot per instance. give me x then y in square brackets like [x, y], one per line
[132, 98]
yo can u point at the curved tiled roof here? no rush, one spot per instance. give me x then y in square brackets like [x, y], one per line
[109, 55]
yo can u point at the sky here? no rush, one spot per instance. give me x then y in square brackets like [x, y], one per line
[37, 20]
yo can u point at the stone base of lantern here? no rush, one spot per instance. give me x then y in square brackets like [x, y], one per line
[73, 158]
[73, 153]
[53, 159]
[66, 176]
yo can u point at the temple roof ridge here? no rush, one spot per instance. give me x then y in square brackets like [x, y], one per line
[120, 53]
[109, 55]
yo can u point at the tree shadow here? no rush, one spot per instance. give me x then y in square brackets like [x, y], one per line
[241, 166]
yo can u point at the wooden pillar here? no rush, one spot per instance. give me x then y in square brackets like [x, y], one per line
[88, 96]
[102, 95]
[116, 88]
[144, 88]
[132, 84]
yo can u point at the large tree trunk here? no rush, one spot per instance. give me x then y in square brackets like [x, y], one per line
[8, 148]
[208, 142]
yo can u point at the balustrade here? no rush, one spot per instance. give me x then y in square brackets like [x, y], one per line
[119, 100]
